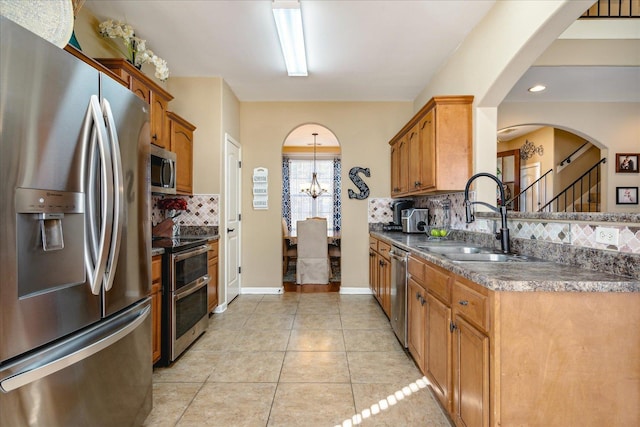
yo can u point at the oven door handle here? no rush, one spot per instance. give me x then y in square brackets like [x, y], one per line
[191, 252]
[192, 287]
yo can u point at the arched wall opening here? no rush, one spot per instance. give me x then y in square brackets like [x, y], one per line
[311, 188]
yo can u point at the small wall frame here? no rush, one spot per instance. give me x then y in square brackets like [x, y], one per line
[627, 162]
[626, 195]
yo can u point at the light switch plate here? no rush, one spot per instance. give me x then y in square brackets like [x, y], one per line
[607, 235]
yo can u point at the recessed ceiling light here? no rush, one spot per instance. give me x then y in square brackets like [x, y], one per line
[537, 88]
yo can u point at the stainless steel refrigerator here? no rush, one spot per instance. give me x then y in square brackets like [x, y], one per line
[75, 241]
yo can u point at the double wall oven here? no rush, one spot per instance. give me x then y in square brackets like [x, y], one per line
[185, 281]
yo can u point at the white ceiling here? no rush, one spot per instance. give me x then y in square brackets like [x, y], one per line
[357, 50]
[578, 84]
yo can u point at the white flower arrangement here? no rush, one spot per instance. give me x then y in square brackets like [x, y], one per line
[137, 52]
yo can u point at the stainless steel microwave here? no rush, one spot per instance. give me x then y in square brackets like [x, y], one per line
[163, 171]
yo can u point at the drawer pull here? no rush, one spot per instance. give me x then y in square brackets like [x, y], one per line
[463, 302]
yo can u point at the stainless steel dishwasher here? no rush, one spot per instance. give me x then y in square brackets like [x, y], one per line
[399, 293]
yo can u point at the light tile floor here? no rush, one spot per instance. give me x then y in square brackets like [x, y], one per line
[293, 360]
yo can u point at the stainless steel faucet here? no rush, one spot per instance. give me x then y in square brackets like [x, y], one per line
[503, 234]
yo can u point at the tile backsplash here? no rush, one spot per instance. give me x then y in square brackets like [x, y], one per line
[202, 210]
[574, 232]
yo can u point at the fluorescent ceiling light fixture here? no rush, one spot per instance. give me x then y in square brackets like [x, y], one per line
[537, 88]
[289, 23]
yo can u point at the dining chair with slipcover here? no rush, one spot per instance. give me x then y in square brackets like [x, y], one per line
[313, 254]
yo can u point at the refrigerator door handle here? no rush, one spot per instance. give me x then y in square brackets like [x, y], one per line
[96, 261]
[118, 191]
[71, 355]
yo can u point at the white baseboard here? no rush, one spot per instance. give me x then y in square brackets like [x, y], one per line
[258, 290]
[261, 291]
[355, 291]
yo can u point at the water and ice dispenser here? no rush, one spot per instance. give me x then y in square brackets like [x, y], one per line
[50, 239]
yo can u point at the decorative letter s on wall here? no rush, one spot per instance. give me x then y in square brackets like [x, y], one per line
[364, 189]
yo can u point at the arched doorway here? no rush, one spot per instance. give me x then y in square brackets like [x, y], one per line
[550, 169]
[311, 188]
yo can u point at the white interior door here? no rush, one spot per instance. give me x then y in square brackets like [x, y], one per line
[534, 198]
[232, 219]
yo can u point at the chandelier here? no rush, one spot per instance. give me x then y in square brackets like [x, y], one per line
[314, 189]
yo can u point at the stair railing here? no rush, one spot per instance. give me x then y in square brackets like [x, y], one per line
[565, 201]
[527, 195]
[568, 159]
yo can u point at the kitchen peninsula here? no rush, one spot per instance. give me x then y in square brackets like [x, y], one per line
[524, 343]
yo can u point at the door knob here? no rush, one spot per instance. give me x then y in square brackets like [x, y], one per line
[230, 230]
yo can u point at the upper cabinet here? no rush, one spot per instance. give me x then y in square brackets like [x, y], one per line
[149, 91]
[181, 143]
[433, 151]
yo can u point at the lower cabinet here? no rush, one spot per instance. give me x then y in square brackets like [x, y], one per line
[438, 358]
[416, 323]
[503, 358]
[471, 375]
[380, 273]
[156, 307]
[447, 321]
[213, 276]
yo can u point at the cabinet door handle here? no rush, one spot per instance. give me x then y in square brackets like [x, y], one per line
[417, 296]
[154, 137]
[422, 301]
[452, 327]
[463, 302]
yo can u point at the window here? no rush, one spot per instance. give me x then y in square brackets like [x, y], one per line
[304, 206]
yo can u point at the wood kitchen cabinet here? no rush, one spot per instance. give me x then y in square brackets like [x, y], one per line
[433, 151]
[448, 343]
[156, 307]
[416, 321]
[400, 166]
[429, 321]
[512, 358]
[470, 310]
[149, 91]
[181, 138]
[380, 273]
[212, 259]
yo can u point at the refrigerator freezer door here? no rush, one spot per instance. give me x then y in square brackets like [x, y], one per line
[117, 392]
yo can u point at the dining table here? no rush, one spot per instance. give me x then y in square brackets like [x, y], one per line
[333, 238]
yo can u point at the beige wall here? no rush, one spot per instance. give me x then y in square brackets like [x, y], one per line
[567, 143]
[199, 101]
[363, 130]
[544, 137]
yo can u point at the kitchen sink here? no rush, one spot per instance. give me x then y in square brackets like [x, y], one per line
[489, 257]
[452, 249]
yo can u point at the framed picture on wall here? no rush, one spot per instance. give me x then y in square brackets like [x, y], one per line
[626, 195]
[627, 162]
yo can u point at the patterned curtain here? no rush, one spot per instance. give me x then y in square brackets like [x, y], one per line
[286, 193]
[337, 190]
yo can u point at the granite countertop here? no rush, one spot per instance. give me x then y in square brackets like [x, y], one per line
[544, 276]
[157, 251]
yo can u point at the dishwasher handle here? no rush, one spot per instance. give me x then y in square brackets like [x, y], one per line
[400, 256]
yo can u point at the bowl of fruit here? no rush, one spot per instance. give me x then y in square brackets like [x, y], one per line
[437, 232]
